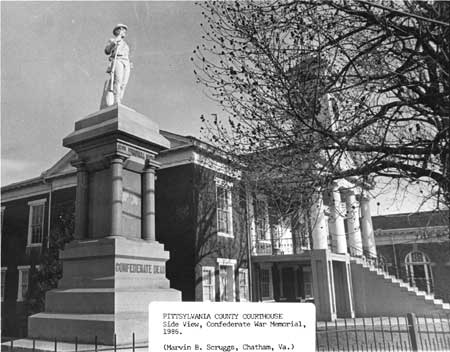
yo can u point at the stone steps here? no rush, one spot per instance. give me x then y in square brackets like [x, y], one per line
[420, 297]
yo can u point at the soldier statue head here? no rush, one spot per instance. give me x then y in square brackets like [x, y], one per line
[118, 27]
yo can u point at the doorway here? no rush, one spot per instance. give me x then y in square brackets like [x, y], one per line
[288, 284]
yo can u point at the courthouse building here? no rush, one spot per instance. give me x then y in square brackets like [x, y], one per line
[416, 248]
[222, 244]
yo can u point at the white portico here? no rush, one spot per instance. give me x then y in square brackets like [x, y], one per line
[288, 267]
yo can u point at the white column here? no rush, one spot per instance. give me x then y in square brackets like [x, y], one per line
[368, 238]
[337, 228]
[148, 201]
[354, 229]
[116, 195]
[319, 224]
[251, 222]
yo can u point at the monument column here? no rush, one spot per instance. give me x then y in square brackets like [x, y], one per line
[368, 238]
[116, 194]
[319, 228]
[337, 221]
[354, 230]
[81, 201]
[148, 200]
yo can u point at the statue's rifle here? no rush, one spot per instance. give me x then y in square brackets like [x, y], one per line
[110, 94]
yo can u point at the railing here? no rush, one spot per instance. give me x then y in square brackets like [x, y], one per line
[380, 262]
[422, 283]
[409, 333]
[75, 346]
[405, 333]
[280, 246]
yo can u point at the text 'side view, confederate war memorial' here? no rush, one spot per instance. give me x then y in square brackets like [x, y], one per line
[321, 107]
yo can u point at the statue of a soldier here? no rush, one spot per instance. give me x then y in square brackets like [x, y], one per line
[118, 68]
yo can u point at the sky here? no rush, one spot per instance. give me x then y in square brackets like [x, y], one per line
[53, 70]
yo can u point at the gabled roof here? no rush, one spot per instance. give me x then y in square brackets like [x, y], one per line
[176, 140]
[62, 167]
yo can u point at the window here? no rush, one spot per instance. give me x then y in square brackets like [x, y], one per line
[226, 279]
[24, 275]
[262, 219]
[243, 285]
[224, 208]
[209, 291]
[419, 273]
[225, 284]
[3, 282]
[266, 284]
[36, 222]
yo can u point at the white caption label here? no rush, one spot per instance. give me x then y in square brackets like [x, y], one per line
[225, 327]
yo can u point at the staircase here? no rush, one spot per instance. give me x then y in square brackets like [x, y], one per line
[378, 293]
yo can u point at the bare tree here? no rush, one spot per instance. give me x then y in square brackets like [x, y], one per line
[315, 91]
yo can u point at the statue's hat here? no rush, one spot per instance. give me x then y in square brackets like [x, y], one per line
[120, 25]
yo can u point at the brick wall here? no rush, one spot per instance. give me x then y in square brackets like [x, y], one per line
[439, 255]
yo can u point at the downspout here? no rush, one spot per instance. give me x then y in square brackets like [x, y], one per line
[49, 214]
[249, 249]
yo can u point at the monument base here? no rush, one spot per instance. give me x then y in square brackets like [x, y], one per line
[105, 291]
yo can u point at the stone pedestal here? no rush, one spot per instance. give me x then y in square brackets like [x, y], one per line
[106, 287]
[114, 268]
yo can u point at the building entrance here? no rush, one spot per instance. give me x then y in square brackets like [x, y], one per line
[288, 283]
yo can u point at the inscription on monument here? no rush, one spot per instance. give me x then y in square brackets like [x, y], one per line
[140, 268]
[134, 152]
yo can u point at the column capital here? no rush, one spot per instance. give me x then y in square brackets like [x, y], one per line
[151, 164]
[117, 157]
